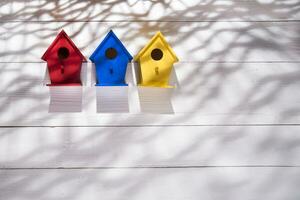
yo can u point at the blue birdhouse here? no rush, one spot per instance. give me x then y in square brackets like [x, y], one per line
[111, 59]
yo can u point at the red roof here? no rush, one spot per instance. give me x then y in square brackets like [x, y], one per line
[58, 37]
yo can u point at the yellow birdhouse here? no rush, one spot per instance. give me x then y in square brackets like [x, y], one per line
[156, 60]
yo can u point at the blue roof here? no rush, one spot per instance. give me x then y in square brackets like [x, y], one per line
[110, 34]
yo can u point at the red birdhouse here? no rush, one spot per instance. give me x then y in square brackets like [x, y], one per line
[64, 61]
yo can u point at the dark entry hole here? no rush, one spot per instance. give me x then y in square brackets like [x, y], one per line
[156, 54]
[63, 53]
[111, 53]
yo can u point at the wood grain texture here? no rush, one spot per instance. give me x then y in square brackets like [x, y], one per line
[136, 184]
[205, 94]
[73, 147]
[192, 42]
[146, 10]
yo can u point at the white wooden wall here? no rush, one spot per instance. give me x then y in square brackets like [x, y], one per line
[229, 130]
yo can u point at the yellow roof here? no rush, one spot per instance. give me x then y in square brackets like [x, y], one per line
[153, 39]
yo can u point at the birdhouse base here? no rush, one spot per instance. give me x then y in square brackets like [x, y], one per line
[156, 86]
[103, 84]
[64, 84]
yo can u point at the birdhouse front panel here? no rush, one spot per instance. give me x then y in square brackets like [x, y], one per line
[156, 60]
[64, 64]
[64, 61]
[156, 65]
[111, 65]
[111, 59]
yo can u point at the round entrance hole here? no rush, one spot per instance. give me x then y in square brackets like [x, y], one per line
[156, 54]
[63, 53]
[111, 53]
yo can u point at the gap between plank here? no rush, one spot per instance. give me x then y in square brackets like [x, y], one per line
[258, 62]
[157, 20]
[152, 167]
[155, 125]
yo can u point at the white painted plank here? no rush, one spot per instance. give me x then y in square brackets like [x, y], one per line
[149, 184]
[136, 10]
[194, 41]
[149, 146]
[205, 94]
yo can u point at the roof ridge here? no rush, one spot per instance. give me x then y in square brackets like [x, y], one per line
[65, 35]
[152, 40]
[108, 35]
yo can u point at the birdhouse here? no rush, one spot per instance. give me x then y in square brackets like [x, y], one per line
[111, 59]
[156, 60]
[64, 61]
